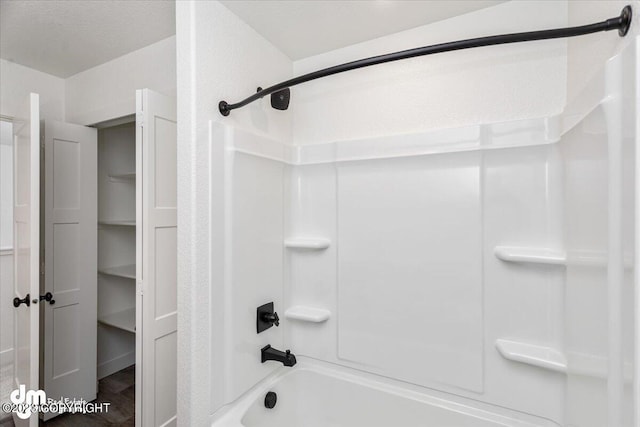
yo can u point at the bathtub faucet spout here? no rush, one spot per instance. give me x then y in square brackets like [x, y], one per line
[285, 357]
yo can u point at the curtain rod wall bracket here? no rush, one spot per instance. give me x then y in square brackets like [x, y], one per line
[280, 94]
[280, 99]
[625, 20]
[223, 108]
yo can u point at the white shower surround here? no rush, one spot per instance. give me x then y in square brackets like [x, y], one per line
[542, 349]
[445, 256]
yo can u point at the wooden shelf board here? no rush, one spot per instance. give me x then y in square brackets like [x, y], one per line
[127, 271]
[125, 223]
[127, 176]
[125, 320]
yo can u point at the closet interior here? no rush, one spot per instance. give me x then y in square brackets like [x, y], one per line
[116, 246]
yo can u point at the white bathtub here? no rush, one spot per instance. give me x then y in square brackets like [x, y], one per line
[315, 394]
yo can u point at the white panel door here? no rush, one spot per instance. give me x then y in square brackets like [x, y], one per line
[70, 261]
[156, 330]
[26, 226]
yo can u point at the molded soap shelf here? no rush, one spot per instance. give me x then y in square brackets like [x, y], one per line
[308, 314]
[307, 243]
[532, 354]
[531, 255]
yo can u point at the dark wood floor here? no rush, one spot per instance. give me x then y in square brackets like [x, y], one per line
[117, 389]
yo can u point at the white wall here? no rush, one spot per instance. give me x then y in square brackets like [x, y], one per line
[452, 89]
[101, 93]
[107, 91]
[17, 81]
[219, 57]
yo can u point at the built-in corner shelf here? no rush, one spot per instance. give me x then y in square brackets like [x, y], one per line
[531, 255]
[532, 354]
[122, 177]
[307, 314]
[118, 223]
[126, 271]
[315, 243]
[125, 320]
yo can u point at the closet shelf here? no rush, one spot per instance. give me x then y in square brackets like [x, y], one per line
[126, 271]
[532, 354]
[317, 243]
[125, 320]
[119, 177]
[119, 223]
[531, 255]
[307, 314]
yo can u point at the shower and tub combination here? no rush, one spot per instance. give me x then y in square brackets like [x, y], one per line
[479, 275]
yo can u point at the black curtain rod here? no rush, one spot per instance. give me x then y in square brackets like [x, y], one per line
[280, 92]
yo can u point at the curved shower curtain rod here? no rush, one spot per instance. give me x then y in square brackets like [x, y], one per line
[280, 92]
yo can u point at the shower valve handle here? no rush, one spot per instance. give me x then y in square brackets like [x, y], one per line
[271, 318]
[266, 317]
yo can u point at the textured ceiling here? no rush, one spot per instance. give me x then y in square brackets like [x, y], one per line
[65, 37]
[305, 28]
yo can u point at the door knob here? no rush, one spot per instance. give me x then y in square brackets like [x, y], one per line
[48, 297]
[17, 301]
